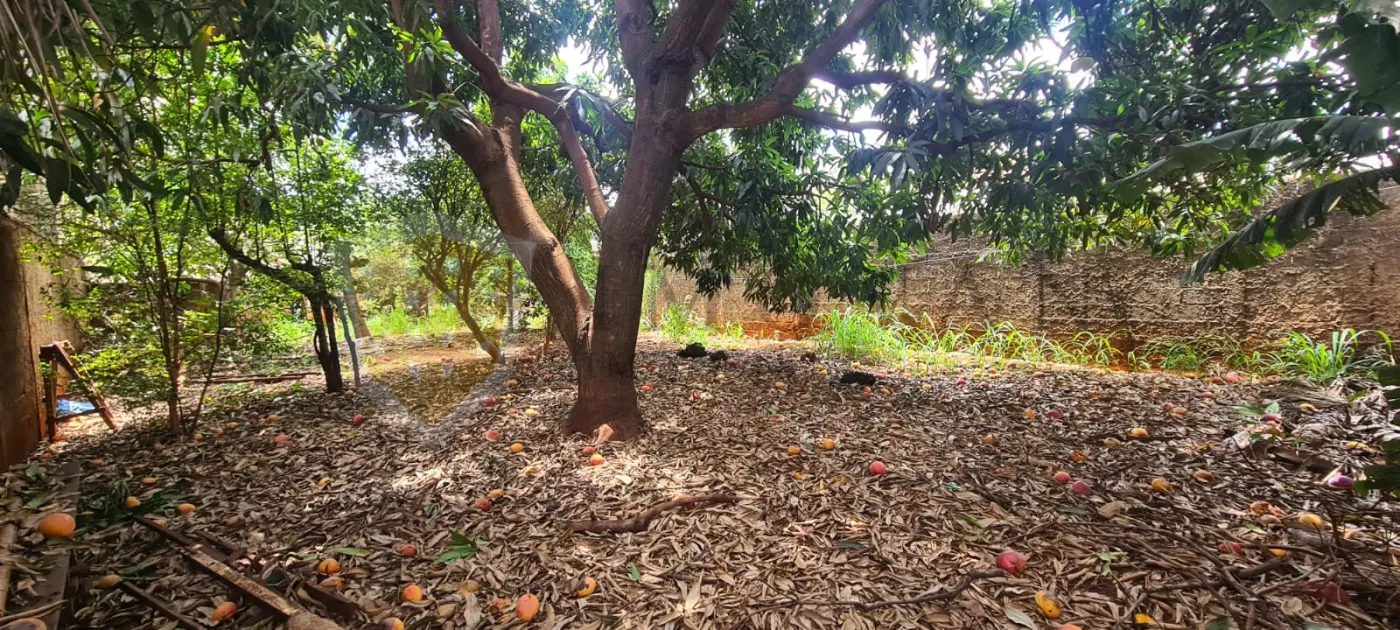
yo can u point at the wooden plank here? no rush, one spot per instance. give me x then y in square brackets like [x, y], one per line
[56, 581]
[7, 539]
[51, 401]
[215, 564]
[265, 596]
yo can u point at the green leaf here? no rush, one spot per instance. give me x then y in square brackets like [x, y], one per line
[454, 554]
[12, 143]
[1070, 509]
[37, 501]
[199, 50]
[634, 572]
[1284, 9]
[1292, 223]
[57, 176]
[850, 544]
[352, 551]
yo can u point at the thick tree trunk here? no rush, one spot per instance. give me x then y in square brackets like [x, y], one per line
[606, 395]
[20, 382]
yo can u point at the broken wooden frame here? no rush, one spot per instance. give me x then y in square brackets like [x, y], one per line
[216, 564]
[61, 355]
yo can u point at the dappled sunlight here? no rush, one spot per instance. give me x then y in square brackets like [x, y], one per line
[812, 521]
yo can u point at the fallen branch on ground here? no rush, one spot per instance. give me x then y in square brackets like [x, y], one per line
[640, 522]
[945, 595]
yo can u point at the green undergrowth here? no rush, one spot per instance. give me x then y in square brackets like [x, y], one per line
[898, 337]
[679, 324]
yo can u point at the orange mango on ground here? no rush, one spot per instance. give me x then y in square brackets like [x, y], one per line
[224, 611]
[411, 593]
[517, 448]
[1048, 607]
[329, 566]
[58, 525]
[527, 607]
[185, 508]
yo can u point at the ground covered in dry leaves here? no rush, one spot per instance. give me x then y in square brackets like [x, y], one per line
[429, 376]
[815, 541]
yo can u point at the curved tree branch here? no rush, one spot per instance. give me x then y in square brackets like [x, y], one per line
[498, 87]
[833, 121]
[791, 81]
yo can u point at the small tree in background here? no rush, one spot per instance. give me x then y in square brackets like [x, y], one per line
[449, 230]
[298, 213]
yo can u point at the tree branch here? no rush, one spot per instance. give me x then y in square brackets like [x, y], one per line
[279, 274]
[849, 80]
[790, 82]
[695, 27]
[381, 108]
[500, 88]
[833, 121]
[634, 32]
[488, 17]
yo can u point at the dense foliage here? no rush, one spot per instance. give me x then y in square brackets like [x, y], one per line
[800, 158]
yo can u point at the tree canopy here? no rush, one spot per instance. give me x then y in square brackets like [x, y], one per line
[802, 146]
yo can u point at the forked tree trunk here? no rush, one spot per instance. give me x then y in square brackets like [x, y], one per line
[327, 350]
[602, 339]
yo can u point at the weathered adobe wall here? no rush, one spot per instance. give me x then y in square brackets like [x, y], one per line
[27, 320]
[1347, 276]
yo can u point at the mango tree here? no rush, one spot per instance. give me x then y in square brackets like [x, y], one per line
[808, 145]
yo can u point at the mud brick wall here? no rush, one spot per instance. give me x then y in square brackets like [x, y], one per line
[1347, 276]
[28, 320]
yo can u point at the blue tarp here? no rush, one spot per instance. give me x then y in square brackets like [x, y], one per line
[71, 407]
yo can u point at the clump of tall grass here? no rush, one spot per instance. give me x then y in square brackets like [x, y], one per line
[1300, 356]
[680, 325]
[860, 334]
[441, 319]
